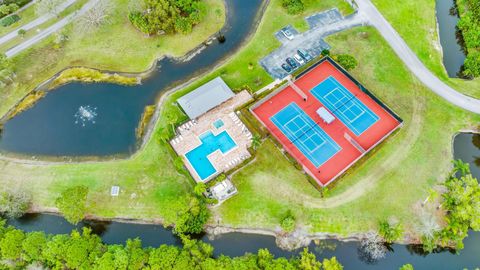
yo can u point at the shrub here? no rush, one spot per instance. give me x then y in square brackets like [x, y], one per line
[293, 6]
[9, 20]
[72, 203]
[390, 231]
[472, 64]
[14, 204]
[347, 61]
[288, 222]
[140, 22]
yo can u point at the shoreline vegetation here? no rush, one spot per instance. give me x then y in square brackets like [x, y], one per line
[26, 103]
[90, 75]
[469, 35]
[165, 192]
[144, 121]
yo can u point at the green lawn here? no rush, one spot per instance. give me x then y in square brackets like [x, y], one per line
[416, 22]
[390, 182]
[105, 48]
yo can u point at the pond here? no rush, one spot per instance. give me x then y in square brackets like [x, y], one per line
[100, 119]
[466, 147]
[453, 56]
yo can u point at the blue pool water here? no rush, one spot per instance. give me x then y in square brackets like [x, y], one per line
[198, 157]
[218, 123]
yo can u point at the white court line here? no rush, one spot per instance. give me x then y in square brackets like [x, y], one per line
[322, 134]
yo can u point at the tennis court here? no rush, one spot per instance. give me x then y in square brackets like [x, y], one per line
[344, 105]
[305, 134]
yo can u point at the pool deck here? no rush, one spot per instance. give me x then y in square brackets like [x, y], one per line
[187, 135]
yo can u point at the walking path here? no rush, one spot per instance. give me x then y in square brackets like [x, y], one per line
[50, 30]
[38, 21]
[368, 10]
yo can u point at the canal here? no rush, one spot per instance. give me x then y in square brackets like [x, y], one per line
[466, 147]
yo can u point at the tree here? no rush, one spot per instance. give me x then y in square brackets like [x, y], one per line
[95, 17]
[288, 222]
[193, 217]
[460, 167]
[32, 246]
[472, 64]
[256, 141]
[372, 248]
[390, 230]
[406, 267]
[72, 203]
[331, 264]
[199, 189]
[308, 261]
[347, 61]
[428, 229]
[14, 203]
[48, 7]
[293, 6]
[11, 244]
[22, 32]
[6, 70]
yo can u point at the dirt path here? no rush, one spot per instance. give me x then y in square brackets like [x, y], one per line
[364, 185]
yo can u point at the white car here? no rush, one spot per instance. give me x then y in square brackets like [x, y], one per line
[287, 33]
[299, 59]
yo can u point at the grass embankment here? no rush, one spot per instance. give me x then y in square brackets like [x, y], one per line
[92, 75]
[146, 116]
[416, 22]
[26, 103]
[117, 46]
[411, 161]
[151, 186]
[389, 183]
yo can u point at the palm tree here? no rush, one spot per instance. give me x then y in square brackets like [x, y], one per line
[256, 141]
[432, 195]
[462, 167]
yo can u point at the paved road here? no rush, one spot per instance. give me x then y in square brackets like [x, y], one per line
[50, 30]
[38, 21]
[368, 10]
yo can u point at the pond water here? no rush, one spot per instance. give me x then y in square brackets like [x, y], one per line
[466, 147]
[81, 119]
[453, 56]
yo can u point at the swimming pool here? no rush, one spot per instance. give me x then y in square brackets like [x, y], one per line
[198, 157]
[218, 124]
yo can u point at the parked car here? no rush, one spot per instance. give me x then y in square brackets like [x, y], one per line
[292, 62]
[286, 67]
[287, 33]
[304, 54]
[299, 59]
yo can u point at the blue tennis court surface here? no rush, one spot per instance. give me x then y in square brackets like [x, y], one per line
[307, 136]
[346, 107]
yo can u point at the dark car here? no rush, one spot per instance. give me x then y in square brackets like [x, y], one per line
[304, 54]
[292, 62]
[286, 67]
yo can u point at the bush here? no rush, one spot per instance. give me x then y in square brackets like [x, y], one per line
[472, 64]
[390, 231]
[293, 6]
[14, 204]
[140, 22]
[9, 20]
[288, 222]
[72, 203]
[347, 61]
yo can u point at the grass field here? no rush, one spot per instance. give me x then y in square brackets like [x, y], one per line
[106, 49]
[411, 161]
[416, 23]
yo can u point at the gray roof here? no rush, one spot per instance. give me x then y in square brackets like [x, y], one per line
[205, 98]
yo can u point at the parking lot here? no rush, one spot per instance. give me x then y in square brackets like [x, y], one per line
[321, 25]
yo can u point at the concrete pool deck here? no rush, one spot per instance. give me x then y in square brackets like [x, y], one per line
[187, 136]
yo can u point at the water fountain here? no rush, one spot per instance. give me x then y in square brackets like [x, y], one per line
[85, 114]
